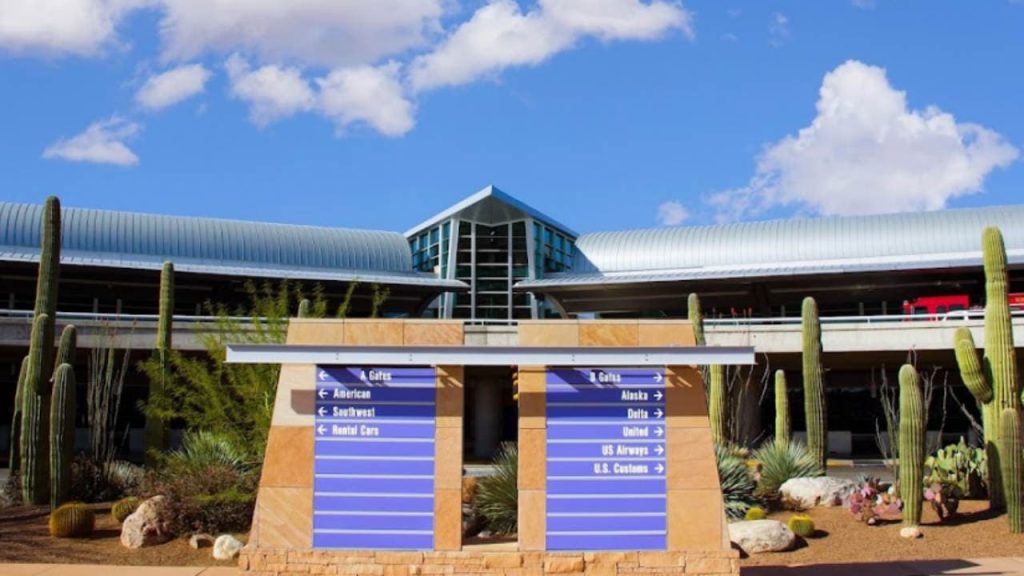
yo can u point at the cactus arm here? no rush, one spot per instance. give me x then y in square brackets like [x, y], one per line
[970, 365]
[716, 404]
[14, 458]
[1010, 465]
[696, 317]
[912, 445]
[35, 484]
[62, 434]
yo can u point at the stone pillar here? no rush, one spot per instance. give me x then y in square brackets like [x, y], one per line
[487, 418]
[448, 459]
[532, 458]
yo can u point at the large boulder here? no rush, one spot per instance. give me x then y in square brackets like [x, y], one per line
[226, 547]
[757, 536]
[821, 491]
[148, 525]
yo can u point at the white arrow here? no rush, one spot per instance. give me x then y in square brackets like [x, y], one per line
[322, 375]
[659, 468]
[322, 393]
[658, 413]
[320, 430]
[658, 395]
[659, 449]
[322, 411]
[657, 377]
[657, 431]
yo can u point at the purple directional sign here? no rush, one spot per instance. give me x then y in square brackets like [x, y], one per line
[373, 471]
[606, 459]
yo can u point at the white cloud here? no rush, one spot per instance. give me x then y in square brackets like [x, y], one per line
[102, 142]
[500, 35]
[272, 92]
[672, 213]
[778, 31]
[172, 86]
[366, 94]
[61, 27]
[866, 152]
[326, 33]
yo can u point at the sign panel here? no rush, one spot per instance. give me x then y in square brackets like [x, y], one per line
[373, 471]
[606, 446]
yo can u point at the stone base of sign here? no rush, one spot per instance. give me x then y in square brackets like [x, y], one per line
[269, 562]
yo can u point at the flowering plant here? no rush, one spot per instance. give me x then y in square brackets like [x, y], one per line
[871, 502]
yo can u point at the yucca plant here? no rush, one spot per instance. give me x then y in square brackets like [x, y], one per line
[779, 461]
[737, 482]
[201, 449]
[497, 494]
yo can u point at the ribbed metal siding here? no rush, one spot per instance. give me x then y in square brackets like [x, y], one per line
[820, 240]
[112, 235]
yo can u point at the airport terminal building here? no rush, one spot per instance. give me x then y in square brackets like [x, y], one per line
[492, 260]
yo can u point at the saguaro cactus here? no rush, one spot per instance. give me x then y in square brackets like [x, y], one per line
[782, 422]
[19, 394]
[305, 308]
[35, 483]
[912, 445]
[992, 379]
[156, 429]
[815, 407]
[1010, 465]
[714, 376]
[62, 433]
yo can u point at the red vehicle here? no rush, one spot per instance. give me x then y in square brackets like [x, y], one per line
[937, 304]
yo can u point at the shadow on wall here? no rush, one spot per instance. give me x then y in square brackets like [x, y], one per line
[987, 567]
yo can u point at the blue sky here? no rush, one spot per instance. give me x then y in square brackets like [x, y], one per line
[605, 114]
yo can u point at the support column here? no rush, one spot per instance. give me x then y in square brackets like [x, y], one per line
[448, 459]
[532, 459]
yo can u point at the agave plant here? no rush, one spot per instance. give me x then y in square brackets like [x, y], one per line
[779, 461]
[737, 482]
[201, 449]
[497, 494]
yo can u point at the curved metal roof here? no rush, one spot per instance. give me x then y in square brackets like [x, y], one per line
[941, 239]
[214, 246]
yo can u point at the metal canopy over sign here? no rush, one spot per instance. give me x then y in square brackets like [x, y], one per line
[606, 459]
[373, 471]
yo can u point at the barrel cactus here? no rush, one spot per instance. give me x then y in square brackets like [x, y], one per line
[72, 520]
[124, 508]
[802, 525]
[755, 513]
[62, 433]
[1010, 466]
[912, 445]
[815, 407]
[992, 379]
[782, 421]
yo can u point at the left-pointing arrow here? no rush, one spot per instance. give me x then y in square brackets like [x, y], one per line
[322, 393]
[321, 429]
[322, 375]
[322, 411]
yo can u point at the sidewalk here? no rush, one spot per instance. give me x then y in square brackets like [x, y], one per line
[977, 566]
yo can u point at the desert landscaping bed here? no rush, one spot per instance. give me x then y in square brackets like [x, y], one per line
[973, 533]
[24, 537]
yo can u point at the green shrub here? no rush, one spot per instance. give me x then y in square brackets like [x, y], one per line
[497, 494]
[779, 461]
[755, 513]
[737, 483]
[802, 525]
[213, 499]
[124, 507]
[72, 520]
[93, 481]
[201, 449]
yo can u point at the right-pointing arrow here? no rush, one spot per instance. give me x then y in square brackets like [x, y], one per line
[657, 377]
[659, 449]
